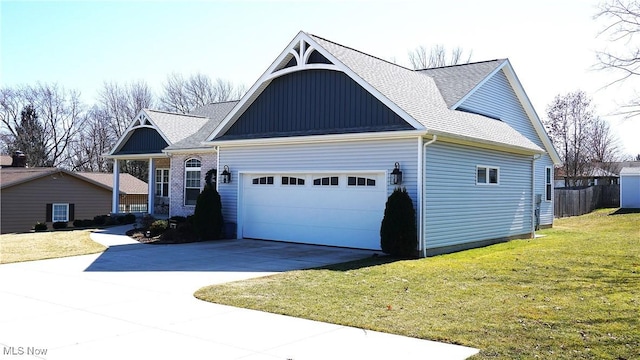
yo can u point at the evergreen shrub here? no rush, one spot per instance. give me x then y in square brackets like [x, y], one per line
[207, 217]
[398, 233]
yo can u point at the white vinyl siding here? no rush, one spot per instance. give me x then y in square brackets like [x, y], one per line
[457, 211]
[331, 158]
[497, 99]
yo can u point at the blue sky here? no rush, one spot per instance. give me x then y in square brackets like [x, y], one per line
[79, 45]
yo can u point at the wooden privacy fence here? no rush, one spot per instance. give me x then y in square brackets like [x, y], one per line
[573, 202]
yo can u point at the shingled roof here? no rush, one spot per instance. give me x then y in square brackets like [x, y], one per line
[419, 96]
[456, 81]
[128, 184]
[12, 176]
[214, 113]
[176, 127]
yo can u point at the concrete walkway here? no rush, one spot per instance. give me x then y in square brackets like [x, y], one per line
[135, 301]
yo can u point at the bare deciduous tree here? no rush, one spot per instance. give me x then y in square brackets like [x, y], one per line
[603, 144]
[583, 140]
[59, 115]
[623, 24]
[95, 139]
[437, 56]
[183, 95]
[569, 121]
[123, 102]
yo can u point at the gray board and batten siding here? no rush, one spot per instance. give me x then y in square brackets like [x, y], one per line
[496, 98]
[143, 141]
[314, 102]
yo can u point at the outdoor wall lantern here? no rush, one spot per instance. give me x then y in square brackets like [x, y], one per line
[396, 175]
[226, 175]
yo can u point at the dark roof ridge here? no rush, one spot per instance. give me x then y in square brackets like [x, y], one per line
[449, 66]
[361, 52]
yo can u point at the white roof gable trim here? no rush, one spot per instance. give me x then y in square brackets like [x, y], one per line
[526, 105]
[301, 47]
[142, 120]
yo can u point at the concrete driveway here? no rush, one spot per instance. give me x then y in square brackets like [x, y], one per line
[136, 301]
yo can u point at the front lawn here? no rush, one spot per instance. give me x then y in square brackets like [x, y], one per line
[46, 245]
[574, 293]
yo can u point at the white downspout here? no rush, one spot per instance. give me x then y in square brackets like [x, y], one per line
[533, 194]
[422, 240]
[217, 150]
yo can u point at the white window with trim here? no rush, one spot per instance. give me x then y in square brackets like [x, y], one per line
[487, 175]
[548, 183]
[162, 182]
[192, 182]
[60, 212]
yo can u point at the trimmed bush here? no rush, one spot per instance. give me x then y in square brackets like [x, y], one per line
[207, 217]
[40, 226]
[60, 225]
[129, 218]
[398, 233]
[147, 220]
[78, 223]
[158, 227]
[110, 220]
[178, 219]
[100, 219]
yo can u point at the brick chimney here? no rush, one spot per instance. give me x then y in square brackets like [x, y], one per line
[18, 159]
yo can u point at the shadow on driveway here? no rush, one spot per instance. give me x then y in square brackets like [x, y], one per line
[223, 255]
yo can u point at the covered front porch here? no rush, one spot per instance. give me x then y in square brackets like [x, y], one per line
[155, 172]
[139, 152]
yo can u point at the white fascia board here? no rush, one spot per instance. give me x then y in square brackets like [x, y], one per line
[131, 128]
[531, 113]
[206, 148]
[319, 138]
[226, 123]
[462, 140]
[268, 75]
[479, 85]
[372, 90]
[135, 156]
[524, 101]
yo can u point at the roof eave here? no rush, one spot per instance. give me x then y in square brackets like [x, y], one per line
[494, 145]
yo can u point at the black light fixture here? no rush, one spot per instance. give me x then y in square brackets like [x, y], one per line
[226, 175]
[396, 175]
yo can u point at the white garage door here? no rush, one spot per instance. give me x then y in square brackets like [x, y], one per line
[342, 209]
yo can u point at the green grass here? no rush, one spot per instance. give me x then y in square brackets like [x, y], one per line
[46, 245]
[574, 293]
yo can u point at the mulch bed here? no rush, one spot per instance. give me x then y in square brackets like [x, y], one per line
[140, 236]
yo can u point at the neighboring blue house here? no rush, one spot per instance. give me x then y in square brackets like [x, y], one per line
[313, 145]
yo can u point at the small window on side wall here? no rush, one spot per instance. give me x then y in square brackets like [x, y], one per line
[548, 183]
[487, 175]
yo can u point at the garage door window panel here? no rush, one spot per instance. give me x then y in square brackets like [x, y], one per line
[326, 181]
[360, 181]
[290, 180]
[263, 180]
